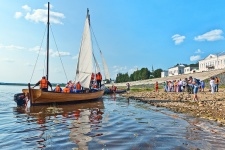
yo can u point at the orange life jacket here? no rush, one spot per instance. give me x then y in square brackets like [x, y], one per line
[217, 81]
[57, 89]
[66, 90]
[95, 86]
[98, 77]
[43, 83]
[78, 86]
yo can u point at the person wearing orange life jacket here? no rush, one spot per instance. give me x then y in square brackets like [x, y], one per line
[92, 80]
[58, 89]
[44, 83]
[99, 79]
[94, 87]
[78, 87]
[66, 89]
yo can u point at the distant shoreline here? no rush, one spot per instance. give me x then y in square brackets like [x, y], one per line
[24, 84]
[18, 84]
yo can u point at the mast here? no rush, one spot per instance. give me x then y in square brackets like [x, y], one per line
[47, 75]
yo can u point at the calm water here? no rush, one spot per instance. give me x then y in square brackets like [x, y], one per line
[110, 123]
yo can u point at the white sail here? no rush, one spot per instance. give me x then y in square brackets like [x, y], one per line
[105, 67]
[85, 63]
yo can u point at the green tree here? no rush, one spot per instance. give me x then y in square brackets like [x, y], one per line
[157, 73]
[122, 77]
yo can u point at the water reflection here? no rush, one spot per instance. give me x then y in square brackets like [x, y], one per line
[58, 124]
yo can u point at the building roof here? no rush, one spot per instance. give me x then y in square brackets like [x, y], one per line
[179, 65]
[216, 54]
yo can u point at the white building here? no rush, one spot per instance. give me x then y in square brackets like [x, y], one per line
[164, 73]
[178, 69]
[190, 69]
[213, 61]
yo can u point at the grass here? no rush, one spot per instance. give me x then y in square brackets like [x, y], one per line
[141, 89]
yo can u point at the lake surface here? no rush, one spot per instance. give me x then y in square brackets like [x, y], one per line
[110, 123]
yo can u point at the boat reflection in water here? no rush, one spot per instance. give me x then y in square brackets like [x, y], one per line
[74, 121]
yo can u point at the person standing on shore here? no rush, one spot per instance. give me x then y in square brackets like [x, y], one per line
[212, 85]
[180, 84]
[217, 81]
[165, 86]
[202, 85]
[156, 87]
[190, 85]
[128, 86]
[195, 89]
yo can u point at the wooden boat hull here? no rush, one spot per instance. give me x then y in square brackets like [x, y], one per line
[40, 97]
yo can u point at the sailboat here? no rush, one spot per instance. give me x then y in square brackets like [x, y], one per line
[83, 75]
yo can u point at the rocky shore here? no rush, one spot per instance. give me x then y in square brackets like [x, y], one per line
[209, 106]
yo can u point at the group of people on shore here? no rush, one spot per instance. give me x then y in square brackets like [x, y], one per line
[190, 85]
[95, 84]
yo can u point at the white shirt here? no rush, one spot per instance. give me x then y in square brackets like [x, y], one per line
[211, 82]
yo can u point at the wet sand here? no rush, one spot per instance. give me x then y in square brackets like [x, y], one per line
[209, 106]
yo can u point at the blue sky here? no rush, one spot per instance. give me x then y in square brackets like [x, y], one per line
[131, 34]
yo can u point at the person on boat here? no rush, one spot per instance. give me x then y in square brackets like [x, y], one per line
[66, 89]
[78, 87]
[99, 79]
[94, 87]
[92, 80]
[44, 83]
[58, 89]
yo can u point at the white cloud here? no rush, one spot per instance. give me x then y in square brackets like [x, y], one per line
[40, 15]
[56, 53]
[18, 15]
[46, 5]
[75, 57]
[178, 39]
[26, 8]
[119, 69]
[130, 71]
[29, 65]
[195, 58]
[52, 53]
[11, 47]
[213, 35]
[36, 49]
[198, 51]
[7, 60]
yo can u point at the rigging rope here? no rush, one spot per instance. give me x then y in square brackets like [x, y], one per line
[38, 55]
[59, 54]
[95, 39]
[103, 60]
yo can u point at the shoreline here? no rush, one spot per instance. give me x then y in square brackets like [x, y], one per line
[209, 106]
